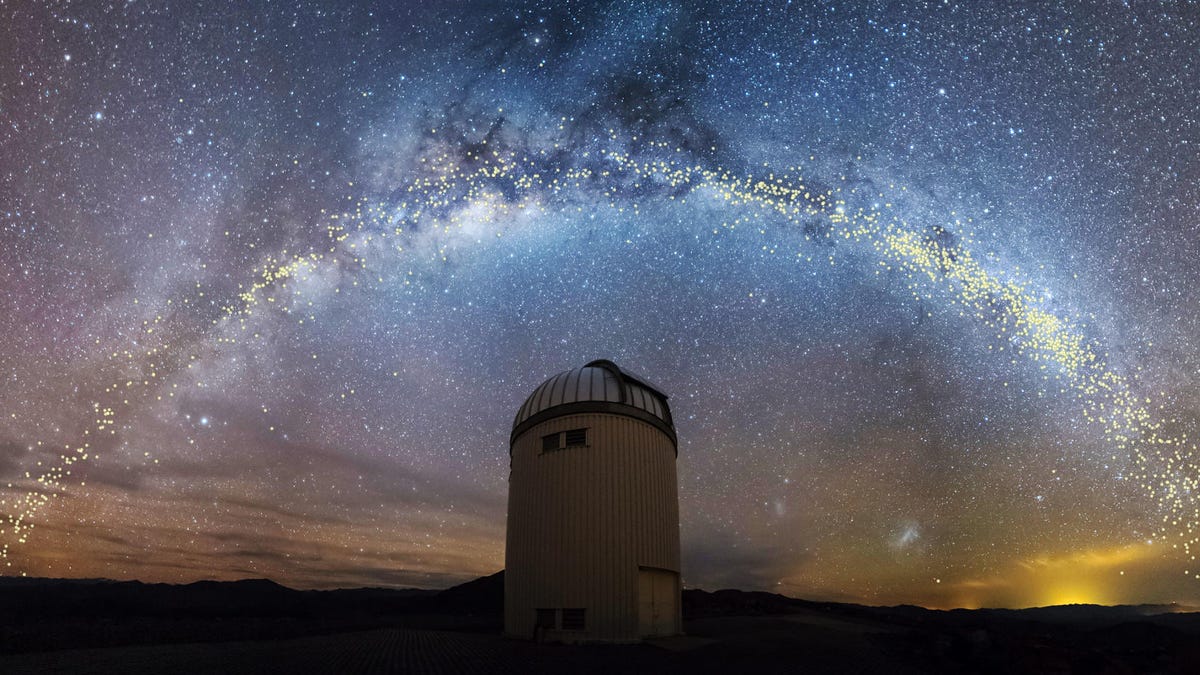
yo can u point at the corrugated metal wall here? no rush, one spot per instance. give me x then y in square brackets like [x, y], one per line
[582, 520]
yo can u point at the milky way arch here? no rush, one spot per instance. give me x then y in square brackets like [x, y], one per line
[480, 189]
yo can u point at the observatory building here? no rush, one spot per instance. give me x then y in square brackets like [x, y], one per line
[593, 511]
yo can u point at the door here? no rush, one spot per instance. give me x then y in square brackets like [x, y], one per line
[658, 601]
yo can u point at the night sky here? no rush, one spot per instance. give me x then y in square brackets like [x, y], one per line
[918, 278]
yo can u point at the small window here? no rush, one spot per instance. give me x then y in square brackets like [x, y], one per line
[576, 438]
[574, 619]
[550, 443]
[546, 618]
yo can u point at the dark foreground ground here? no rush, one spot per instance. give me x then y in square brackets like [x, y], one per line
[258, 627]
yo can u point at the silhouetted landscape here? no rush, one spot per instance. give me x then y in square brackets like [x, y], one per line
[101, 626]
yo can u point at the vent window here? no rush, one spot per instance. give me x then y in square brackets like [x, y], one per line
[546, 618]
[576, 438]
[574, 619]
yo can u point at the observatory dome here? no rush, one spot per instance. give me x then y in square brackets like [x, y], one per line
[599, 386]
[592, 548]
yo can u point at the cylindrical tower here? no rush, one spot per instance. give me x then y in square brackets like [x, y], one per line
[593, 511]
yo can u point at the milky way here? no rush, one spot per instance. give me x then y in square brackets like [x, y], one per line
[916, 279]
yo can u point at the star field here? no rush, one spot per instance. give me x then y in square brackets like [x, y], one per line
[918, 281]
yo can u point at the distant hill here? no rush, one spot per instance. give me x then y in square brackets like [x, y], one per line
[482, 595]
[38, 614]
[729, 602]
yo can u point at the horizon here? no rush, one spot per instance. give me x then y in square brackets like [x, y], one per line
[918, 282]
[1183, 609]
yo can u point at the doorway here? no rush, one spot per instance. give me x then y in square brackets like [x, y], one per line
[658, 601]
